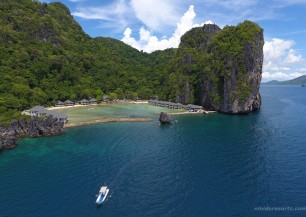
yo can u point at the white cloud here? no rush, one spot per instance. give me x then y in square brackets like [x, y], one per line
[280, 59]
[276, 49]
[102, 13]
[129, 40]
[150, 43]
[292, 58]
[77, 0]
[116, 12]
[157, 13]
[233, 4]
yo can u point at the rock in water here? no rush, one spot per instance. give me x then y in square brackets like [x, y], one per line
[164, 118]
[220, 69]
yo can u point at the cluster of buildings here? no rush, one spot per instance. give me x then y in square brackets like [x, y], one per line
[40, 111]
[194, 108]
[170, 105]
[68, 102]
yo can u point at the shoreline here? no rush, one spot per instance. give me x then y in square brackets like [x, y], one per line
[107, 120]
[193, 113]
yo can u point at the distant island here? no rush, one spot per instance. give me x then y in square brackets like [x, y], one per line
[296, 81]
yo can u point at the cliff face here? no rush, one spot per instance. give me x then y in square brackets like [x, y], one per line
[220, 69]
[35, 127]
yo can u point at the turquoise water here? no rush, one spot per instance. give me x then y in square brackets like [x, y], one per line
[87, 113]
[207, 165]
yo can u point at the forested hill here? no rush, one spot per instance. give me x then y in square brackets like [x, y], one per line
[45, 56]
[220, 69]
[296, 81]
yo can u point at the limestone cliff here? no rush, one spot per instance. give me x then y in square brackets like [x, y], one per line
[220, 69]
[35, 127]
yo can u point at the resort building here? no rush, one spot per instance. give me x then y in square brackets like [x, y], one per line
[170, 105]
[93, 101]
[39, 111]
[105, 97]
[193, 108]
[175, 105]
[69, 103]
[59, 104]
[84, 102]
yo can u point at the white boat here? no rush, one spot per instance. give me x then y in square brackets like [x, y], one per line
[102, 195]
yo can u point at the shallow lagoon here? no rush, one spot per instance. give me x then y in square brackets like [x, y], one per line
[89, 113]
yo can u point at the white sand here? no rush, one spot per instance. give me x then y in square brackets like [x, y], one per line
[112, 103]
[201, 111]
[107, 120]
[67, 107]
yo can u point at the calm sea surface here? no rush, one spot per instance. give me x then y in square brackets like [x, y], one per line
[201, 165]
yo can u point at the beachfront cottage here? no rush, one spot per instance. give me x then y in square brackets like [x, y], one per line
[69, 103]
[105, 97]
[194, 108]
[84, 102]
[39, 111]
[175, 105]
[170, 105]
[59, 104]
[93, 101]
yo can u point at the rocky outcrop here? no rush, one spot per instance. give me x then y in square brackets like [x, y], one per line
[35, 127]
[220, 70]
[164, 118]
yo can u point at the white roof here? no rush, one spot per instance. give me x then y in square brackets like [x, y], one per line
[103, 189]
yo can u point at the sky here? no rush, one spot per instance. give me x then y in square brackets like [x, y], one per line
[151, 25]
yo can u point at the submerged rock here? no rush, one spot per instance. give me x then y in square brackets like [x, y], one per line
[164, 118]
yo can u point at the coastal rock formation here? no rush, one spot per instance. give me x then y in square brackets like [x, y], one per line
[164, 118]
[220, 70]
[35, 127]
[7, 141]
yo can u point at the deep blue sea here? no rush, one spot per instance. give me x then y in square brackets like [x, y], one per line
[201, 165]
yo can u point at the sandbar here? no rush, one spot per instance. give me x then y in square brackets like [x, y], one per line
[107, 120]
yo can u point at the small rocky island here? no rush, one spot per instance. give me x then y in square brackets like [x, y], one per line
[220, 69]
[164, 118]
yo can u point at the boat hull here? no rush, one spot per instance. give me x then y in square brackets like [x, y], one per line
[101, 198]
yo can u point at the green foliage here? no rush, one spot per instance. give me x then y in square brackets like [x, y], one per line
[45, 56]
[112, 96]
[206, 60]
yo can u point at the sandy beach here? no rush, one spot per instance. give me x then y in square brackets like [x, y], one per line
[107, 120]
[190, 113]
[100, 104]
[67, 107]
